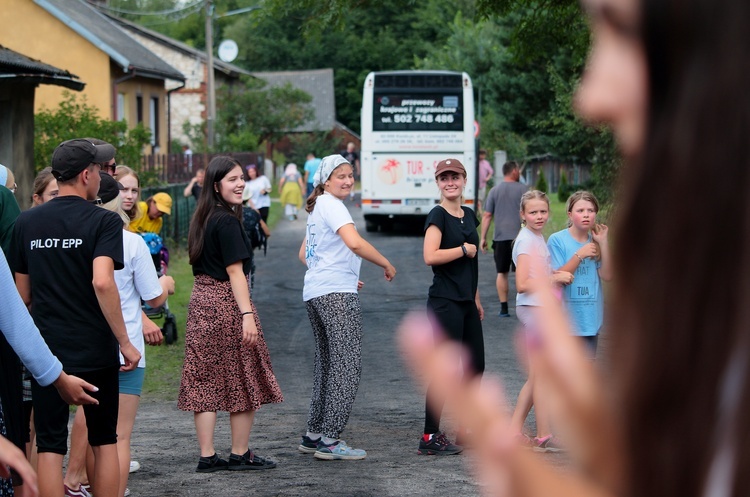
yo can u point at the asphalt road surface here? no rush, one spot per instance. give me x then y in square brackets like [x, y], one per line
[387, 419]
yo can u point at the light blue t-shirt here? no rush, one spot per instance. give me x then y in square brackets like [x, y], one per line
[583, 298]
[331, 266]
[311, 166]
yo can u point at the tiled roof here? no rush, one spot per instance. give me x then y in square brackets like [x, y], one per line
[106, 35]
[19, 67]
[229, 69]
[318, 83]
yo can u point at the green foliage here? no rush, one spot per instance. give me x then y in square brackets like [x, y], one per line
[75, 118]
[563, 188]
[541, 182]
[319, 143]
[251, 113]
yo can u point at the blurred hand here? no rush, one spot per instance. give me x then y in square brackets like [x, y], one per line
[249, 329]
[151, 332]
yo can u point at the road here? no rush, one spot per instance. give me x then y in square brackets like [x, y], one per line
[388, 414]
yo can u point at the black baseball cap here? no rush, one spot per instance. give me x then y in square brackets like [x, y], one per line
[73, 156]
[109, 188]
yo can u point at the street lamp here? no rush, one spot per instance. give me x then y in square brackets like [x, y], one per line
[210, 84]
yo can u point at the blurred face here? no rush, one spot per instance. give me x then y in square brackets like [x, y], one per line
[252, 172]
[153, 211]
[451, 185]
[614, 89]
[582, 215]
[129, 194]
[231, 186]
[536, 214]
[48, 194]
[341, 181]
[199, 177]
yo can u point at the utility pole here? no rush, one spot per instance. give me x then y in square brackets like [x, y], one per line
[210, 84]
[210, 88]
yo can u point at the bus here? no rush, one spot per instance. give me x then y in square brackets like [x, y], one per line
[411, 120]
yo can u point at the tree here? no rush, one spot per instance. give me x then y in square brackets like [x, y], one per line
[541, 182]
[77, 119]
[251, 113]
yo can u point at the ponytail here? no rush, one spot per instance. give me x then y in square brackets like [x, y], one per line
[317, 192]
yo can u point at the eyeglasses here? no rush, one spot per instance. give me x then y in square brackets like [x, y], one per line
[109, 168]
[98, 201]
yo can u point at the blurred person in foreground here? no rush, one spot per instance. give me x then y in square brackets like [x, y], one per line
[671, 419]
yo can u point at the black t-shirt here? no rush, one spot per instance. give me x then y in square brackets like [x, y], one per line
[457, 279]
[56, 244]
[196, 191]
[224, 243]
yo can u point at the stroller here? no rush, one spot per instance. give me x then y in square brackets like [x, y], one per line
[160, 256]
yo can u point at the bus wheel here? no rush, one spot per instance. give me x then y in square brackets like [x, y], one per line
[371, 226]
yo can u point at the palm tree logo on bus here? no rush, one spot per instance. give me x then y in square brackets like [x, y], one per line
[390, 171]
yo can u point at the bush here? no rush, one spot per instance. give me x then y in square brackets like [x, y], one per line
[541, 182]
[74, 119]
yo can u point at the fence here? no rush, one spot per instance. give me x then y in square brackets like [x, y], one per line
[175, 171]
[179, 168]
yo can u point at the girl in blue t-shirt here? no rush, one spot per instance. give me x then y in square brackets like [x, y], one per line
[583, 249]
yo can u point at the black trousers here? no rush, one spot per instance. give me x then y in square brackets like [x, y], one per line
[459, 321]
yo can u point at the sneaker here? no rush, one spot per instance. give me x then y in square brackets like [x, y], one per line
[547, 444]
[79, 492]
[308, 445]
[127, 492]
[210, 464]
[339, 450]
[134, 466]
[503, 314]
[438, 445]
[248, 461]
[87, 487]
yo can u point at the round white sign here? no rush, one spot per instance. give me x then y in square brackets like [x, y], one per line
[228, 50]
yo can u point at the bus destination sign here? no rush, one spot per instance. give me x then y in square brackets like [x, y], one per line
[417, 112]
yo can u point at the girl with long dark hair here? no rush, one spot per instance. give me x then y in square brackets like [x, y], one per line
[670, 417]
[227, 366]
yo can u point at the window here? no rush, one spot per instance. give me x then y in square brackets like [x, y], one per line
[121, 112]
[153, 120]
[139, 108]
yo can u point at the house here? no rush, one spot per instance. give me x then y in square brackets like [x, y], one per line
[124, 80]
[553, 169]
[188, 103]
[319, 84]
[19, 78]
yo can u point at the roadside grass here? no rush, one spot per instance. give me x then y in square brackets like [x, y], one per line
[164, 363]
[558, 219]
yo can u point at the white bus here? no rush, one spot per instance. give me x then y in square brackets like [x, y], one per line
[411, 120]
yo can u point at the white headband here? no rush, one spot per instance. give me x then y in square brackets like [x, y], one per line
[327, 165]
[3, 175]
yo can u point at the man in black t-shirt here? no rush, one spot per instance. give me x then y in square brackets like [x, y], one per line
[64, 255]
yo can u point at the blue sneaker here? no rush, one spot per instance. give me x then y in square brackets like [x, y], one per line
[308, 445]
[339, 450]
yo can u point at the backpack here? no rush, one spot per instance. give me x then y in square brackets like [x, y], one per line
[251, 222]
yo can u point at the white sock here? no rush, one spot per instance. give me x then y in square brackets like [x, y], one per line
[313, 436]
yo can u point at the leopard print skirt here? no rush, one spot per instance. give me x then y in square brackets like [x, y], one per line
[220, 373]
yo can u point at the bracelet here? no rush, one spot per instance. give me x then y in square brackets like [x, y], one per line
[579, 257]
[463, 248]
[247, 312]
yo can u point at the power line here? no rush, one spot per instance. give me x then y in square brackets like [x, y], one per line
[197, 3]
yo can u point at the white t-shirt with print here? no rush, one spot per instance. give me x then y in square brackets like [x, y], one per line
[331, 266]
